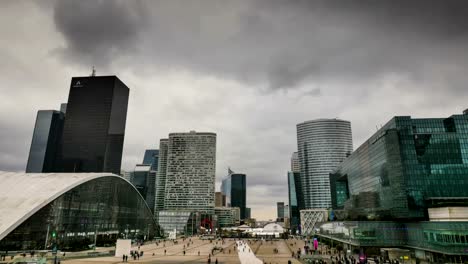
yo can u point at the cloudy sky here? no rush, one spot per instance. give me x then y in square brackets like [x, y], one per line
[247, 70]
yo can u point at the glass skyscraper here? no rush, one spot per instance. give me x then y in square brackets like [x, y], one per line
[143, 178]
[234, 187]
[322, 145]
[46, 141]
[94, 129]
[151, 158]
[406, 167]
[295, 199]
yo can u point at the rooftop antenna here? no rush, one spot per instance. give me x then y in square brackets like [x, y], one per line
[93, 73]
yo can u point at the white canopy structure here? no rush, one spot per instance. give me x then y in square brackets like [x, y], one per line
[23, 194]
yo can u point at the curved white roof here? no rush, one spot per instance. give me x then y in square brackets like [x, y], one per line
[273, 227]
[23, 194]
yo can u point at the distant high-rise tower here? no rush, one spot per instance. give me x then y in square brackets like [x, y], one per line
[323, 144]
[151, 158]
[93, 134]
[220, 199]
[45, 141]
[234, 187]
[295, 164]
[161, 175]
[190, 173]
[280, 209]
[295, 199]
[143, 178]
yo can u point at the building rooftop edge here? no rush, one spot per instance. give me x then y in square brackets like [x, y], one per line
[324, 119]
[192, 133]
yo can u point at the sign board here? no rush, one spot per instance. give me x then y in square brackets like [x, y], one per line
[123, 247]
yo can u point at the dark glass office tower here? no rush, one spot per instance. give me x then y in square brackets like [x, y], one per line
[143, 178]
[296, 200]
[238, 192]
[45, 142]
[94, 129]
[151, 158]
[235, 190]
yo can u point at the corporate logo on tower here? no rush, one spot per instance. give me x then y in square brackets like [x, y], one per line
[78, 84]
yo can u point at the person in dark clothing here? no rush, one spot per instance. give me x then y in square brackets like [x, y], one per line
[123, 258]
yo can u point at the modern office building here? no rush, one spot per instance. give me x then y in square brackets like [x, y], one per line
[408, 187]
[143, 178]
[322, 145]
[151, 158]
[406, 167]
[228, 216]
[295, 164]
[70, 211]
[280, 209]
[161, 175]
[94, 129]
[190, 172]
[296, 201]
[45, 142]
[234, 187]
[248, 213]
[220, 199]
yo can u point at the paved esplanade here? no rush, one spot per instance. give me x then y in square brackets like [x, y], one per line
[230, 251]
[246, 255]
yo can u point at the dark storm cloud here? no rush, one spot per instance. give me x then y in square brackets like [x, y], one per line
[277, 43]
[97, 32]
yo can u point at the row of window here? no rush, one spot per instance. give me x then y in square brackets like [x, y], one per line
[446, 238]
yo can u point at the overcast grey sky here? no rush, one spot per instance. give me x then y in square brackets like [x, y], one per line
[247, 70]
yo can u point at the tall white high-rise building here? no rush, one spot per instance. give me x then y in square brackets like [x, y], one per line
[322, 145]
[295, 164]
[190, 172]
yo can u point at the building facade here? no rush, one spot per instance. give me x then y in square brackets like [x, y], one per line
[248, 213]
[295, 199]
[161, 175]
[405, 168]
[295, 164]
[227, 216]
[280, 209]
[234, 187]
[426, 241]
[322, 145]
[45, 144]
[143, 178]
[151, 158]
[190, 173]
[94, 128]
[220, 199]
